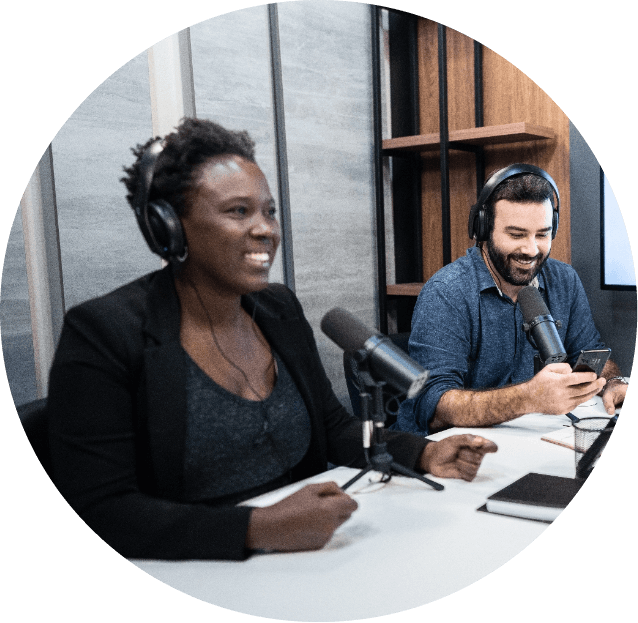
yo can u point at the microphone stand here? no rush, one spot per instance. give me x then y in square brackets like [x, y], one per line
[373, 418]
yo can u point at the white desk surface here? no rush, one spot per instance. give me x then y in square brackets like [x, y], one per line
[405, 546]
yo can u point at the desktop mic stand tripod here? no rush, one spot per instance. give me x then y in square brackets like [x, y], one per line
[373, 418]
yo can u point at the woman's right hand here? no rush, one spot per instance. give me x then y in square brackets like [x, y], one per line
[304, 520]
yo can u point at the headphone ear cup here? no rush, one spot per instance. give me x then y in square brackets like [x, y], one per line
[166, 230]
[482, 233]
[477, 226]
[554, 224]
[471, 222]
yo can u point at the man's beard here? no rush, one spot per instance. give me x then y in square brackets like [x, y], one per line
[514, 274]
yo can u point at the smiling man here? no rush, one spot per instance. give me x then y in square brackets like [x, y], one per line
[467, 327]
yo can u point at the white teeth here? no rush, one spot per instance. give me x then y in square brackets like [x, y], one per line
[259, 258]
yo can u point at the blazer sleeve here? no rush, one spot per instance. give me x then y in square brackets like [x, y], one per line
[99, 460]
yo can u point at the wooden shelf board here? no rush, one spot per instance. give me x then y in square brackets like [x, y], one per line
[488, 135]
[508, 133]
[404, 289]
[420, 142]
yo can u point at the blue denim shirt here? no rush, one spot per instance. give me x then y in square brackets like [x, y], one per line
[469, 335]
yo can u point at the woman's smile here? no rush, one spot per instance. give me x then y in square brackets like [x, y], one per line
[260, 260]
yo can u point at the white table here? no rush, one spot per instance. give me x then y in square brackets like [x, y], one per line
[405, 546]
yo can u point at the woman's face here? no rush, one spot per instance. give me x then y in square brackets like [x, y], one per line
[230, 226]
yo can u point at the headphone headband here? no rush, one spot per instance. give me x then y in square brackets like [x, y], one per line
[477, 223]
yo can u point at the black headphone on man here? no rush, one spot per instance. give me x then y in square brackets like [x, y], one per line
[157, 219]
[478, 223]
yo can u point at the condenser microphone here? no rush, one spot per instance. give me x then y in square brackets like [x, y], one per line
[540, 327]
[387, 361]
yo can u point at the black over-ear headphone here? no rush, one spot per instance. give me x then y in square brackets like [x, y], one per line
[158, 220]
[478, 224]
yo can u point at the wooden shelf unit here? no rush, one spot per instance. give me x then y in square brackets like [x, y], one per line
[456, 111]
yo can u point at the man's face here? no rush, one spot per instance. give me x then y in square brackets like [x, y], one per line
[521, 239]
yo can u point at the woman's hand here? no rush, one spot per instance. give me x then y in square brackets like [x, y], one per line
[304, 520]
[458, 456]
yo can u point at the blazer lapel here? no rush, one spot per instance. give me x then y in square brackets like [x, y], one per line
[165, 386]
[285, 332]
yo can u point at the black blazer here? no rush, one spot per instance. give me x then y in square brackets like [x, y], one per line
[117, 409]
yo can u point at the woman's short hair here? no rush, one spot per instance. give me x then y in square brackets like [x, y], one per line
[194, 142]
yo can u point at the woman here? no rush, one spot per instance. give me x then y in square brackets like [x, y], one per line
[196, 387]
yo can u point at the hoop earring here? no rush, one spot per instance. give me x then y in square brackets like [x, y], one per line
[182, 257]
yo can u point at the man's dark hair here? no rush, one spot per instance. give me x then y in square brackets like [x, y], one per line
[524, 188]
[185, 150]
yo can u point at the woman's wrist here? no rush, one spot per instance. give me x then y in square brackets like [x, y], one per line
[255, 535]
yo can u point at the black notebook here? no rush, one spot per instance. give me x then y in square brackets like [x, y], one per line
[534, 496]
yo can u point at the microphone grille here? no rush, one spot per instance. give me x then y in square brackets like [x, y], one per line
[532, 303]
[345, 330]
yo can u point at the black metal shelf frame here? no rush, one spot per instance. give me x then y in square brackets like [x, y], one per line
[406, 183]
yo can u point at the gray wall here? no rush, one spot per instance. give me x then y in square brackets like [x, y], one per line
[15, 316]
[325, 53]
[614, 310]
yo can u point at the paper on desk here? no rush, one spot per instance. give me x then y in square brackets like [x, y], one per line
[563, 437]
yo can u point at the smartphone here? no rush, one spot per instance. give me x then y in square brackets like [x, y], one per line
[592, 361]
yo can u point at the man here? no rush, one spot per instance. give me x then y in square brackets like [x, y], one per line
[467, 328]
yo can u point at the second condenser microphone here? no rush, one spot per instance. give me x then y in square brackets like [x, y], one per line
[387, 360]
[540, 327]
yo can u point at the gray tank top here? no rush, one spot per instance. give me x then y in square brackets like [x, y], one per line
[236, 447]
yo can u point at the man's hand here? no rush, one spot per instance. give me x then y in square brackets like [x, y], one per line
[458, 456]
[614, 395]
[557, 390]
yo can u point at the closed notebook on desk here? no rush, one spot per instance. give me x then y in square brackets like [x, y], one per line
[535, 496]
